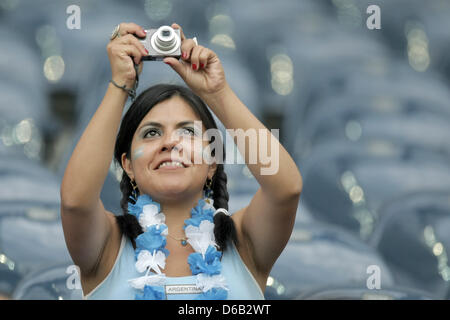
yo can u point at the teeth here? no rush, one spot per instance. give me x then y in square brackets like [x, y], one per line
[171, 163]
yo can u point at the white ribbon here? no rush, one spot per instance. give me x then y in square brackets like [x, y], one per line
[152, 280]
[222, 210]
[153, 261]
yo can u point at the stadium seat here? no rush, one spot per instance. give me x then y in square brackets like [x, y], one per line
[52, 282]
[415, 128]
[412, 236]
[322, 255]
[352, 293]
[25, 180]
[26, 227]
[356, 180]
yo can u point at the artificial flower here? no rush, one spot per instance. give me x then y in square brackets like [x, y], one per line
[209, 263]
[138, 207]
[201, 237]
[153, 238]
[150, 216]
[154, 261]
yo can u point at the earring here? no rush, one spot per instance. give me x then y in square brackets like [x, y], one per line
[135, 188]
[209, 192]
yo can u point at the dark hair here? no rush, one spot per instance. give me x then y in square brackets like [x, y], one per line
[224, 230]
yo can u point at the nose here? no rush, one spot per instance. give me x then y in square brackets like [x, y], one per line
[171, 142]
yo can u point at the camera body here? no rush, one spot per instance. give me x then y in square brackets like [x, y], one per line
[162, 42]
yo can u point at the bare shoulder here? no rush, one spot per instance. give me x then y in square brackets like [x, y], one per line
[245, 250]
[107, 258]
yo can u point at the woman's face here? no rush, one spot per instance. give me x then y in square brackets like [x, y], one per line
[168, 132]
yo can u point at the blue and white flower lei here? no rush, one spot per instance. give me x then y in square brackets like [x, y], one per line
[151, 253]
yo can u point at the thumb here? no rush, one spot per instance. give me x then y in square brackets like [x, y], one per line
[176, 65]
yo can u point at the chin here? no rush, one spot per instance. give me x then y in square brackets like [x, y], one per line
[173, 189]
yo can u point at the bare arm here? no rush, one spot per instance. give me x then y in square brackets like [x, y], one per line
[87, 225]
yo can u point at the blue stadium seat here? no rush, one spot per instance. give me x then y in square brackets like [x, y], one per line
[412, 236]
[16, 105]
[428, 23]
[352, 293]
[322, 255]
[259, 37]
[25, 227]
[24, 180]
[52, 282]
[324, 69]
[416, 128]
[31, 237]
[10, 275]
[18, 56]
[389, 86]
[20, 138]
[357, 179]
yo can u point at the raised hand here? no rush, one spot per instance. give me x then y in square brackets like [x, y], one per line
[199, 67]
[123, 50]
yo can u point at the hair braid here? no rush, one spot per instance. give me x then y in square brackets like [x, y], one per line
[224, 229]
[128, 223]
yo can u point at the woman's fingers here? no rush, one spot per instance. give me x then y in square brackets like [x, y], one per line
[186, 48]
[191, 52]
[199, 67]
[199, 57]
[186, 44]
[130, 50]
[125, 49]
[195, 57]
[131, 28]
[132, 40]
[203, 58]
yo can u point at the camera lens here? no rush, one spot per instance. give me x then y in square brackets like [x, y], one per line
[165, 39]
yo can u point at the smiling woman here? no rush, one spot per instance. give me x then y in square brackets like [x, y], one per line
[175, 238]
[158, 129]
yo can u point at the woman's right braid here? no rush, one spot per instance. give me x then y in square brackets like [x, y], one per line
[128, 223]
[224, 229]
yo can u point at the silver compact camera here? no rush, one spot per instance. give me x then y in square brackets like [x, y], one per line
[162, 42]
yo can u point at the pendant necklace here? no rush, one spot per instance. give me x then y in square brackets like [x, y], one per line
[182, 240]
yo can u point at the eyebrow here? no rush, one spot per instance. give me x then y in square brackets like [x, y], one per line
[159, 125]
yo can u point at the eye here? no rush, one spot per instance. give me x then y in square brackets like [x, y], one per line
[189, 130]
[150, 131]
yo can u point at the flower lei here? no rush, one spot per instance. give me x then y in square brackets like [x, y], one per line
[151, 253]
